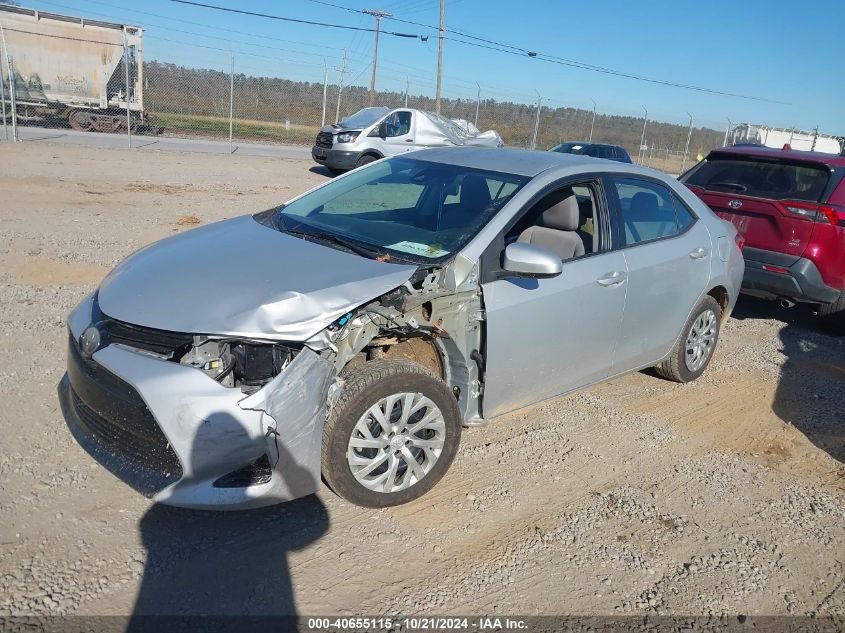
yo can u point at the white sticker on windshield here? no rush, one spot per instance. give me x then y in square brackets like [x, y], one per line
[415, 248]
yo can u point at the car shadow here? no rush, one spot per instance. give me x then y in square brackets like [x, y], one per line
[810, 393]
[214, 563]
[322, 171]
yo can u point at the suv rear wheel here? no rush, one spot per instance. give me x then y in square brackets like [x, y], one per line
[832, 316]
[392, 435]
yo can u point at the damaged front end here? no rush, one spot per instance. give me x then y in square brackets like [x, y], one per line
[231, 422]
[194, 421]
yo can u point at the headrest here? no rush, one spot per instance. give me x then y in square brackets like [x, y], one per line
[563, 215]
[475, 192]
[644, 202]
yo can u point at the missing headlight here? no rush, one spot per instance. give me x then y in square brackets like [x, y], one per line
[257, 363]
[238, 363]
[212, 357]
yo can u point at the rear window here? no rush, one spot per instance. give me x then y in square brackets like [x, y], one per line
[761, 178]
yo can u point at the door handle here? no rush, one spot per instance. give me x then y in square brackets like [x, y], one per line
[611, 279]
[699, 253]
[409, 140]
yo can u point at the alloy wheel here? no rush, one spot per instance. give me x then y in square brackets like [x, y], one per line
[701, 340]
[396, 442]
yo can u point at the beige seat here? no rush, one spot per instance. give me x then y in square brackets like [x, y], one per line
[560, 221]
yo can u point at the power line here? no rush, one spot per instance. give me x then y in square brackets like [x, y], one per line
[297, 20]
[504, 47]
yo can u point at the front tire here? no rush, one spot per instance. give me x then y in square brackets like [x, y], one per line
[694, 350]
[832, 317]
[366, 160]
[391, 436]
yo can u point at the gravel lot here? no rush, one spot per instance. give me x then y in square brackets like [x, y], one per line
[726, 496]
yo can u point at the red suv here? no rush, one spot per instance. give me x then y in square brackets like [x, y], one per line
[789, 206]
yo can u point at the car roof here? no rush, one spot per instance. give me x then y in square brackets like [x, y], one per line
[521, 162]
[770, 152]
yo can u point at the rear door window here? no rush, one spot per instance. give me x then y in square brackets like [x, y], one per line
[761, 178]
[648, 211]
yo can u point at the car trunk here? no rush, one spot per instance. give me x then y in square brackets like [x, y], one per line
[753, 193]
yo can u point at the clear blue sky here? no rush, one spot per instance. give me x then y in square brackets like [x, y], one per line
[776, 49]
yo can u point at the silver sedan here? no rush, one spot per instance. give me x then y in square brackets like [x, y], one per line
[352, 332]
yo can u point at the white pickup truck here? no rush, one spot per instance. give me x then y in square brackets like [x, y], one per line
[373, 133]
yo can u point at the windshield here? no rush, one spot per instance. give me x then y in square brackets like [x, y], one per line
[364, 118]
[570, 148]
[411, 210]
[761, 178]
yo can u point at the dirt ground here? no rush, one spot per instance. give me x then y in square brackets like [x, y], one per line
[725, 496]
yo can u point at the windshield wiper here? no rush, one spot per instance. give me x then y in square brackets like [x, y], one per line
[356, 247]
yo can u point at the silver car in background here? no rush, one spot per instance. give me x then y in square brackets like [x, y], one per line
[351, 333]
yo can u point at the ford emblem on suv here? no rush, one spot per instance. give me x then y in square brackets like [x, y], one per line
[735, 204]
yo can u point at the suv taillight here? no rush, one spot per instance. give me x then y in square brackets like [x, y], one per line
[814, 212]
[740, 242]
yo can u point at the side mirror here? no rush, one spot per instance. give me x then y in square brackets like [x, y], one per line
[382, 129]
[527, 260]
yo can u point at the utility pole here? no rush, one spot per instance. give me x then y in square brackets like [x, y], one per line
[340, 88]
[477, 102]
[440, 56]
[686, 149]
[407, 86]
[642, 138]
[325, 87]
[536, 121]
[378, 15]
[593, 124]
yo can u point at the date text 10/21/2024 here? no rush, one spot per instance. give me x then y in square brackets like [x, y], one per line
[417, 624]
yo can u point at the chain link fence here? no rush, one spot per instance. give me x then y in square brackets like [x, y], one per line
[89, 76]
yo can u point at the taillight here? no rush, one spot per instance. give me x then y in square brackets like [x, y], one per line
[740, 242]
[814, 212]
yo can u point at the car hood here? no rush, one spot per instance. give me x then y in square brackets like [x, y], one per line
[242, 278]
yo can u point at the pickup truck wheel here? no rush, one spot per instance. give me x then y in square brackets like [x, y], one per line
[366, 160]
[694, 350]
[832, 316]
[391, 436]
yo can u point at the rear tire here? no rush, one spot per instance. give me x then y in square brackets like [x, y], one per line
[397, 427]
[366, 160]
[694, 349]
[832, 317]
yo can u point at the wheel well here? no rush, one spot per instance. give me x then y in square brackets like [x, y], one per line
[418, 349]
[720, 294]
[372, 153]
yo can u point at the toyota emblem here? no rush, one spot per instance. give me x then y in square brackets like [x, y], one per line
[735, 204]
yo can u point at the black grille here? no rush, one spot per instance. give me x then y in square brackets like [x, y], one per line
[146, 338]
[324, 139]
[111, 421]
